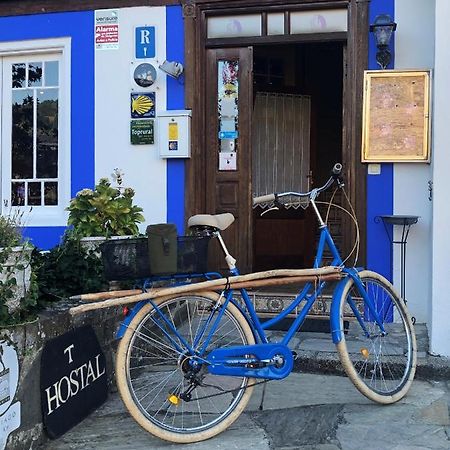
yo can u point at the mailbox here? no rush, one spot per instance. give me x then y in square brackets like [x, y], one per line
[174, 129]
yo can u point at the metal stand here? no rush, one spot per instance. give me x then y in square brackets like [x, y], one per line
[405, 222]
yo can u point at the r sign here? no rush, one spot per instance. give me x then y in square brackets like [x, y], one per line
[145, 42]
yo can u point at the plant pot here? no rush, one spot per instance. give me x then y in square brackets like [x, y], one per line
[17, 266]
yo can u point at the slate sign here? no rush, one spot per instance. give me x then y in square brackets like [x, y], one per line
[73, 379]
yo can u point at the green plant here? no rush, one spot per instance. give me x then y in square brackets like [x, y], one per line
[18, 289]
[68, 269]
[105, 211]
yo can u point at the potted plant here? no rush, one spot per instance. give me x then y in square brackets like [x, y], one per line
[15, 270]
[105, 211]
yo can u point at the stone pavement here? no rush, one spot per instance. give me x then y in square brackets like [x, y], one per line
[306, 411]
[302, 412]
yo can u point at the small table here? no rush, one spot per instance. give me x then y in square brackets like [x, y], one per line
[405, 222]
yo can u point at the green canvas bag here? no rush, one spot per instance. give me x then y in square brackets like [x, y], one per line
[162, 248]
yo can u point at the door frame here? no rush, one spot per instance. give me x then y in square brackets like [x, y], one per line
[196, 14]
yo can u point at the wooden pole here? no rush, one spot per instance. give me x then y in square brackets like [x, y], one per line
[198, 287]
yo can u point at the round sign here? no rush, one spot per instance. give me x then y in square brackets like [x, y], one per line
[9, 375]
[144, 75]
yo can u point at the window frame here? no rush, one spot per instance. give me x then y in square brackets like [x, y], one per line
[10, 53]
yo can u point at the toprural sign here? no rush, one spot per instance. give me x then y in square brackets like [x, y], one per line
[73, 379]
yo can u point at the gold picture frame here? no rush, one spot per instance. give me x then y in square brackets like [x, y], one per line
[396, 116]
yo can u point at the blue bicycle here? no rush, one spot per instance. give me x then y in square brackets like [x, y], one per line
[187, 364]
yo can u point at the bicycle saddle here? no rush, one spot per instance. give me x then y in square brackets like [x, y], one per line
[219, 221]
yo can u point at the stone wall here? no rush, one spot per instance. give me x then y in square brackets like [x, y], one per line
[29, 340]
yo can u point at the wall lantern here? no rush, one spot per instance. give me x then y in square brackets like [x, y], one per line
[382, 28]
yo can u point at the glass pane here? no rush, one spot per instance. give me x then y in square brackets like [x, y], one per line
[35, 74]
[47, 134]
[51, 193]
[228, 114]
[234, 26]
[51, 73]
[34, 194]
[22, 134]
[18, 75]
[275, 23]
[18, 194]
[324, 21]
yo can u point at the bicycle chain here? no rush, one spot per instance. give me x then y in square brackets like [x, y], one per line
[230, 390]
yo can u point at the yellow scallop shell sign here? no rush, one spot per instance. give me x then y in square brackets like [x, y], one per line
[142, 106]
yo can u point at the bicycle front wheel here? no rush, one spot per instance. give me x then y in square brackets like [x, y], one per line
[162, 389]
[380, 365]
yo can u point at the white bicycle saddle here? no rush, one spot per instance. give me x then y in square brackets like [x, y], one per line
[220, 221]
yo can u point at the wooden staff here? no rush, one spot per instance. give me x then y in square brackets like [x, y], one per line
[219, 282]
[198, 287]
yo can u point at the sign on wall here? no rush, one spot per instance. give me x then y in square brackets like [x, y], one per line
[73, 379]
[143, 105]
[107, 29]
[9, 379]
[145, 42]
[396, 116]
[141, 132]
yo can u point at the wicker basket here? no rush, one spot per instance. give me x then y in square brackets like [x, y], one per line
[125, 259]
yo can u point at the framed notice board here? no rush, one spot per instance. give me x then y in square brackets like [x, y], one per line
[396, 116]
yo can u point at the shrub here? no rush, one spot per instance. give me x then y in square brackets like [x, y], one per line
[105, 211]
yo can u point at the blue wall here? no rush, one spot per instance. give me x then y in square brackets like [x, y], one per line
[175, 100]
[380, 188]
[80, 27]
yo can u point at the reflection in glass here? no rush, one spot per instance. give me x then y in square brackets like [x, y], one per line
[51, 73]
[17, 194]
[34, 194]
[35, 74]
[51, 193]
[47, 134]
[18, 75]
[22, 134]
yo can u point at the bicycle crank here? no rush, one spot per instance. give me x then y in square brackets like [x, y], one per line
[269, 361]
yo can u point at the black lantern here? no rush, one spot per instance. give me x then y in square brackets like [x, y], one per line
[382, 28]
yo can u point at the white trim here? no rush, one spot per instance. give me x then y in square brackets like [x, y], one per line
[47, 215]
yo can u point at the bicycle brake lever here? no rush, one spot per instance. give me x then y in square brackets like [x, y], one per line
[274, 208]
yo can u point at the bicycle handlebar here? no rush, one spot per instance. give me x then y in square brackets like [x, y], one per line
[336, 172]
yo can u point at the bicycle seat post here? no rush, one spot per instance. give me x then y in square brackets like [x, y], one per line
[231, 262]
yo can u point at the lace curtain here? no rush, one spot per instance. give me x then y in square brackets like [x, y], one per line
[281, 143]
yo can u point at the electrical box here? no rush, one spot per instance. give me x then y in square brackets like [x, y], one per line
[174, 132]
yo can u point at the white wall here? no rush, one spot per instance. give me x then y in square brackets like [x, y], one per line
[440, 325]
[414, 49]
[144, 170]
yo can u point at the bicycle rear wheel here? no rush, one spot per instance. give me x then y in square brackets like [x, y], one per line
[153, 374]
[381, 367]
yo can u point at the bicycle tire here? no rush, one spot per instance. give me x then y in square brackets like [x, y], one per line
[392, 357]
[183, 424]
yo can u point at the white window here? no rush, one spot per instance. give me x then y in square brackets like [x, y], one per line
[35, 136]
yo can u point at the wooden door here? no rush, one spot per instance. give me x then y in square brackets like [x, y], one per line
[229, 102]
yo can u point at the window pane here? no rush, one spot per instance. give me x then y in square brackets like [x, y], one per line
[275, 23]
[34, 194]
[47, 134]
[234, 26]
[51, 193]
[51, 73]
[18, 75]
[22, 134]
[18, 194]
[35, 74]
[324, 21]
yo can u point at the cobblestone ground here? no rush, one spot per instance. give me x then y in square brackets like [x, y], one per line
[302, 412]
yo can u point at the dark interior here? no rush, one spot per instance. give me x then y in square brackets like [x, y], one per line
[287, 238]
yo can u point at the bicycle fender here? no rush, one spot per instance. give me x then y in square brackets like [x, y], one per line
[335, 323]
[124, 325]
